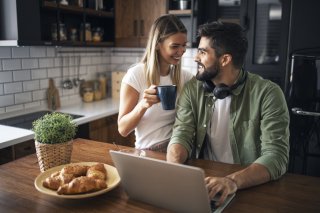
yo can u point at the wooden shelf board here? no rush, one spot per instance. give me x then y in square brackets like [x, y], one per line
[180, 12]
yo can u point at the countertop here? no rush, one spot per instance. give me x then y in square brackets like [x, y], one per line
[90, 111]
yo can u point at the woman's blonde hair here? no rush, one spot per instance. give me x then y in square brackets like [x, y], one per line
[162, 28]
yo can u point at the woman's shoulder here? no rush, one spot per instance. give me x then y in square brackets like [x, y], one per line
[136, 67]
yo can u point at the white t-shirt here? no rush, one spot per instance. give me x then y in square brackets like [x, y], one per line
[156, 124]
[219, 148]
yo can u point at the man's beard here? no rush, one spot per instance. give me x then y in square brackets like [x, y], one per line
[208, 73]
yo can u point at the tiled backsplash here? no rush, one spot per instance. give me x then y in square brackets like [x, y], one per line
[24, 71]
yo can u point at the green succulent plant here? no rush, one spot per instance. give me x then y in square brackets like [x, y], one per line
[54, 128]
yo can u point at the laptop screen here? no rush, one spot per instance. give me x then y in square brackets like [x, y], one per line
[175, 187]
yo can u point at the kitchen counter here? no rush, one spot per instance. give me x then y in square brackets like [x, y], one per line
[90, 111]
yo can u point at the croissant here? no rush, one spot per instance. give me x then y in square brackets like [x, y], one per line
[57, 179]
[97, 171]
[52, 182]
[74, 179]
[82, 184]
[76, 170]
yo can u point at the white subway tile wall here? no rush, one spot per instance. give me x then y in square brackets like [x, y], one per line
[24, 71]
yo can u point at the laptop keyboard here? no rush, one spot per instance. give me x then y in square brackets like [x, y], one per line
[213, 205]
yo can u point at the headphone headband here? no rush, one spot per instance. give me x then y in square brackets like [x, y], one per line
[221, 91]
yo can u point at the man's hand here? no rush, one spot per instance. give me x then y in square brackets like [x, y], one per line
[223, 186]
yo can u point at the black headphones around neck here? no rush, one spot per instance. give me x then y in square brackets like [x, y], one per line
[222, 91]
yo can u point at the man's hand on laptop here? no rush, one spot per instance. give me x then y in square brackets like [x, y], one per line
[223, 186]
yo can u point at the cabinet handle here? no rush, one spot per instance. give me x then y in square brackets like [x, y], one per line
[299, 111]
[141, 28]
[135, 23]
[246, 23]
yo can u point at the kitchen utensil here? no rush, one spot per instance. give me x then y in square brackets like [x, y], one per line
[53, 96]
[67, 84]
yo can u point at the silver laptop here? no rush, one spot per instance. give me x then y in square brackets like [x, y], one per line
[175, 187]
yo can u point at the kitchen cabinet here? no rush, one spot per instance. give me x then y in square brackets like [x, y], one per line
[133, 20]
[17, 151]
[6, 155]
[106, 130]
[135, 17]
[48, 22]
[267, 25]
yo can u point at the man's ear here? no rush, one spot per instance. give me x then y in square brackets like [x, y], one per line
[225, 59]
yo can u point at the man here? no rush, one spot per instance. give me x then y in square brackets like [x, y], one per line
[229, 115]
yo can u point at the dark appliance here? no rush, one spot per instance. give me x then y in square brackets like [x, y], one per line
[275, 29]
[303, 97]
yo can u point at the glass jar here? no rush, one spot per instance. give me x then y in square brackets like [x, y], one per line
[88, 95]
[62, 32]
[73, 34]
[97, 35]
[86, 32]
[54, 32]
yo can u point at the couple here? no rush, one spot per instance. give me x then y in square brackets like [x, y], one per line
[224, 114]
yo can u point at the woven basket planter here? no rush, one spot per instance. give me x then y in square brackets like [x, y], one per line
[51, 155]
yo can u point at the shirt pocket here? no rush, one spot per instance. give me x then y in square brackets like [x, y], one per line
[248, 139]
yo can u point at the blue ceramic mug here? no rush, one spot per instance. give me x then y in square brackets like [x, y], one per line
[167, 95]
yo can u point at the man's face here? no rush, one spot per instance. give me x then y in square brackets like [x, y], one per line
[208, 63]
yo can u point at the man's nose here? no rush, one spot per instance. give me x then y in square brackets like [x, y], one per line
[196, 58]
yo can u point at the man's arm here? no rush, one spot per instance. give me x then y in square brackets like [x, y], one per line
[253, 175]
[177, 153]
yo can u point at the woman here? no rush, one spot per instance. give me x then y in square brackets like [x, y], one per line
[139, 105]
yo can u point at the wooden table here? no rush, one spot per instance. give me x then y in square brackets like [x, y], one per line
[292, 193]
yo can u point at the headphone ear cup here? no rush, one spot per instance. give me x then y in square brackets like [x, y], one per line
[208, 86]
[221, 91]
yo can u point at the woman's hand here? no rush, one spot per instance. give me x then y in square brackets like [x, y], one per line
[149, 97]
[223, 186]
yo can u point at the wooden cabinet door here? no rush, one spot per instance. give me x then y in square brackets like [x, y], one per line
[126, 23]
[134, 19]
[106, 130]
[149, 12]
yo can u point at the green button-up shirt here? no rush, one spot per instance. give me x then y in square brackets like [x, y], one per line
[258, 126]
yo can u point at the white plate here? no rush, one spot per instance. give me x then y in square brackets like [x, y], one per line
[113, 179]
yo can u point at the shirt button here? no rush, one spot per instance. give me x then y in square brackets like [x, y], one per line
[199, 145]
[205, 125]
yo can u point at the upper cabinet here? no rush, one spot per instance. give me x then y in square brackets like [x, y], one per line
[187, 11]
[134, 19]
[57, 22]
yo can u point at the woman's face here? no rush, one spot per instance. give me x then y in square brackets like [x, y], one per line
[172, 48]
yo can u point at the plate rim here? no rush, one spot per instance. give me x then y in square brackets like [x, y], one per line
[42, 176]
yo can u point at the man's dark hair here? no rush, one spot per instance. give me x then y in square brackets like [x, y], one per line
[226, 38]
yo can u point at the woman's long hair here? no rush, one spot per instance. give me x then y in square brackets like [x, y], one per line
[162, 28]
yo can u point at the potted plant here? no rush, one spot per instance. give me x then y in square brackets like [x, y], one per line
[53, 134]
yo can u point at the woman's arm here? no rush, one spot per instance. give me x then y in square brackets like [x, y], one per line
[131, 110]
